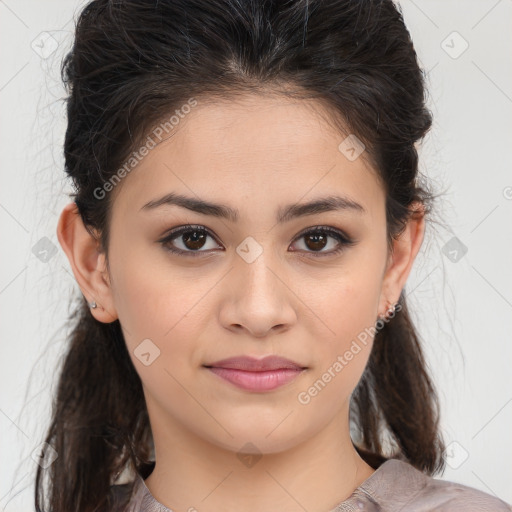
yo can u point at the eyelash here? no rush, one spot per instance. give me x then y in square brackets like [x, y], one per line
[344, 240]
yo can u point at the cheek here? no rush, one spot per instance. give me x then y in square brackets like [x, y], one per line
[150, 295]
[164, 304]
[346, 302]
[341, 357]
[347, 307]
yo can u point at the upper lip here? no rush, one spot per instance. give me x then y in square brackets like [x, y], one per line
[252, 364]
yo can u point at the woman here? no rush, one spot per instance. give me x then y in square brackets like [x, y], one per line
[246, 215]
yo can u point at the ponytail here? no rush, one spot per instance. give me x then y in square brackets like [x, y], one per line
[100, 424]
[396, 397]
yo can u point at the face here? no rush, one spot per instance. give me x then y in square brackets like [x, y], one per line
[303, 287]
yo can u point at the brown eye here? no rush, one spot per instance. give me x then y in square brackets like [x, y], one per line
[194, 240]
[317, 239]
[189, 240]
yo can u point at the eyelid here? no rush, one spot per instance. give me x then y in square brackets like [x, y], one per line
[345, 241]
[343, 238]
[327, 229]
[176, 232]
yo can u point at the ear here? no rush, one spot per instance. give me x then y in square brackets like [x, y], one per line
[401, 259]
[87, 262]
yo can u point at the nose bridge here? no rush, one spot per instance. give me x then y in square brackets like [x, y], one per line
[255, 268]
[261, 299]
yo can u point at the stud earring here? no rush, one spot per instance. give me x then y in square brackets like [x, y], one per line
[391, 308]
[93, 305]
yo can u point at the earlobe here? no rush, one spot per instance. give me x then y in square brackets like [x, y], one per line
[87, 263]
[405, 250]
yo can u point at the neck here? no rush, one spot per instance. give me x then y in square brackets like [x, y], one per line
[316, 475]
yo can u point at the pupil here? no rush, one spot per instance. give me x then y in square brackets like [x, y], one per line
[318, 243]
[196, 239]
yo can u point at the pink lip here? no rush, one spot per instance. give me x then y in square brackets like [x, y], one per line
[257, 381]
[252, 374]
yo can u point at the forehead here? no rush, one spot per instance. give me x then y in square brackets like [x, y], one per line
[254, 152]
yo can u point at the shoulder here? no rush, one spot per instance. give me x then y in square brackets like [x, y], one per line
[397, 485]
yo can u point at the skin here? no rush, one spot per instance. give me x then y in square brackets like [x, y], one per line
[265, 152]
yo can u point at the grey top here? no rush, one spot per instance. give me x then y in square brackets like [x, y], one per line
[394, 486]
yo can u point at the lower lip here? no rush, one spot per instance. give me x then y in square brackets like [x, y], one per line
[257, 381]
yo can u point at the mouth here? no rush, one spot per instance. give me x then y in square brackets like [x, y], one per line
[253, 364]
[257, 375]
[257, 381]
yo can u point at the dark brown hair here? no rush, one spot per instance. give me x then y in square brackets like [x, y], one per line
[134, 62]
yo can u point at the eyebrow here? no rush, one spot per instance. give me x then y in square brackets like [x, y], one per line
[284, 214]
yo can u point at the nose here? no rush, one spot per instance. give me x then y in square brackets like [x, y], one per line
[260, 298]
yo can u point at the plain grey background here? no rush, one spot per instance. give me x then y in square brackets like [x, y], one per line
[460, 289]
